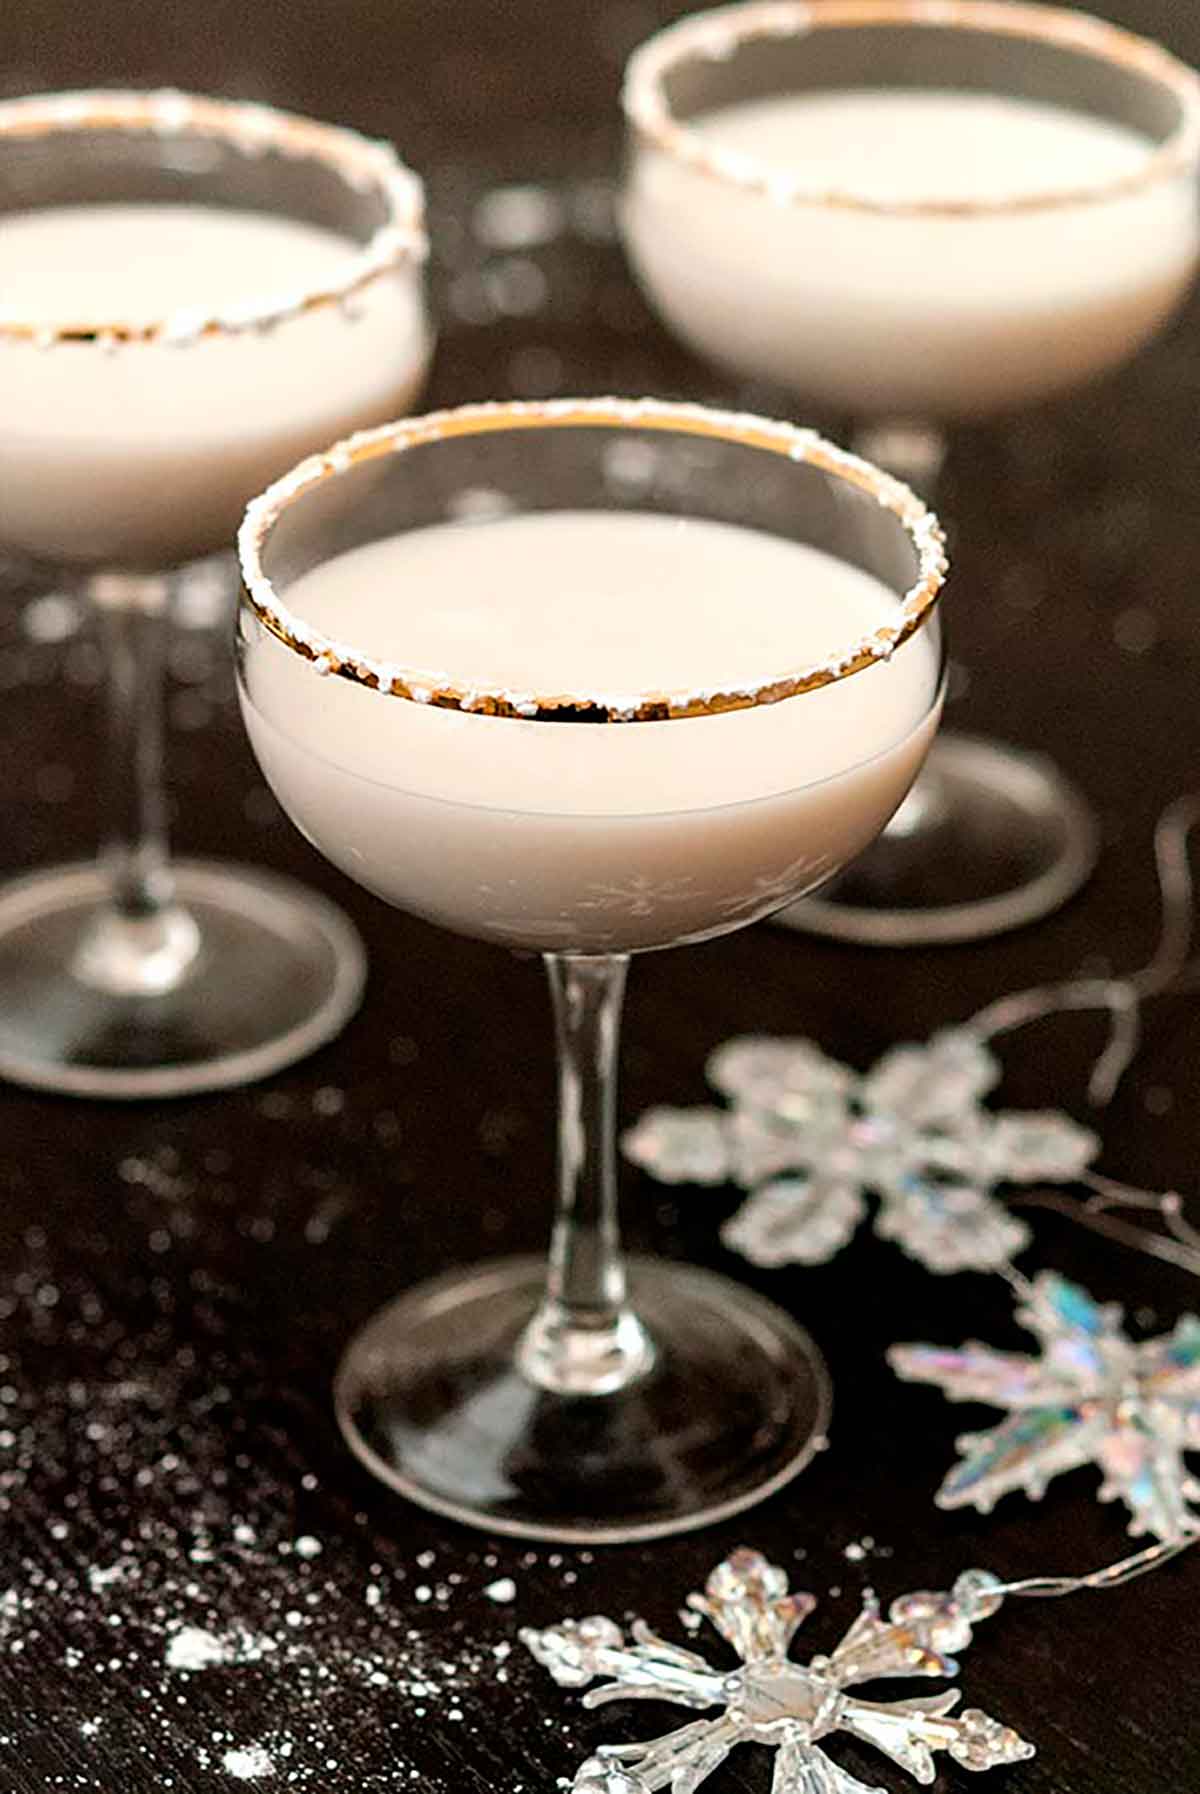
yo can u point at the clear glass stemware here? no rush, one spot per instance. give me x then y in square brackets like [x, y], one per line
[907, 309]
[590, 817]
[134, 431]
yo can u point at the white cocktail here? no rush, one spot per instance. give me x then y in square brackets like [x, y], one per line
[603, 839]
[143, 457]
[192, 294]
[591, 678]
[914, 214]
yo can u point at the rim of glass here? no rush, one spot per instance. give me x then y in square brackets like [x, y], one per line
[329, 656]
[716, 36]
[250, 128]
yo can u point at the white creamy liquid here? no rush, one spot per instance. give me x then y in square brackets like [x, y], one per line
[144, 455]
[917, 314]
[591, 836]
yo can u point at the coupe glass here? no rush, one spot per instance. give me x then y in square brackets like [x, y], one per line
[591, 1400]
[907, 310]
[130, 445]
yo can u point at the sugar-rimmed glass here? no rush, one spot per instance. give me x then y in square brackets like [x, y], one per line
[909, 308]
[588, 816]
[135, 430]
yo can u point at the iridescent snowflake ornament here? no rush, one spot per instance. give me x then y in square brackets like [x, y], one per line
[809, 1138]
[772, 1700]
[1093, 1396]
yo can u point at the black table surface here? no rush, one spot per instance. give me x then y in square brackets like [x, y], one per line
[176, 1280]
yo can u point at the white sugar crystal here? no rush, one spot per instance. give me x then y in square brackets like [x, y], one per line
[194, 1648]
[503, 1589]
[248, 1764]
[102, 1577]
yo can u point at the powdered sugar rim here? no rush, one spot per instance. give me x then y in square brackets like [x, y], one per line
[361, 162]
[716, 35]
[330, 656]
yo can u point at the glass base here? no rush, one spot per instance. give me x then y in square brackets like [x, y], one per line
[736, 1403]
[248, 973]
[989, 838]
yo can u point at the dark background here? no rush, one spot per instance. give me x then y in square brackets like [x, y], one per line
[176, 1281]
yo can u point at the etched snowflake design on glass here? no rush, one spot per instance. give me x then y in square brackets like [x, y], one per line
[1092, 1397]
[796, 880]
[772, 1700]
[639, 894]
[809, 1138]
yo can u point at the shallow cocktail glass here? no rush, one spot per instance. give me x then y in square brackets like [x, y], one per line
[132, 438]
[827, 260]
[588, 818]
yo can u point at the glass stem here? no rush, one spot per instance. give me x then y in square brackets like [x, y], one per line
[132, 616]
[141, 943]
[585, 1338]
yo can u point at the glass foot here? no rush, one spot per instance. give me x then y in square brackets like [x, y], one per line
[246, 975]
[736, 1403]
[989, 838]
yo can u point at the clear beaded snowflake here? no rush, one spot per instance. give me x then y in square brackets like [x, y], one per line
[1093, 1396]
[770, 1699]
[809, 1138]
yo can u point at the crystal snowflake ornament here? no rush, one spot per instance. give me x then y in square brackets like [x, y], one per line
[1093, 1396]
[772, 1700]
[809, 1138]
